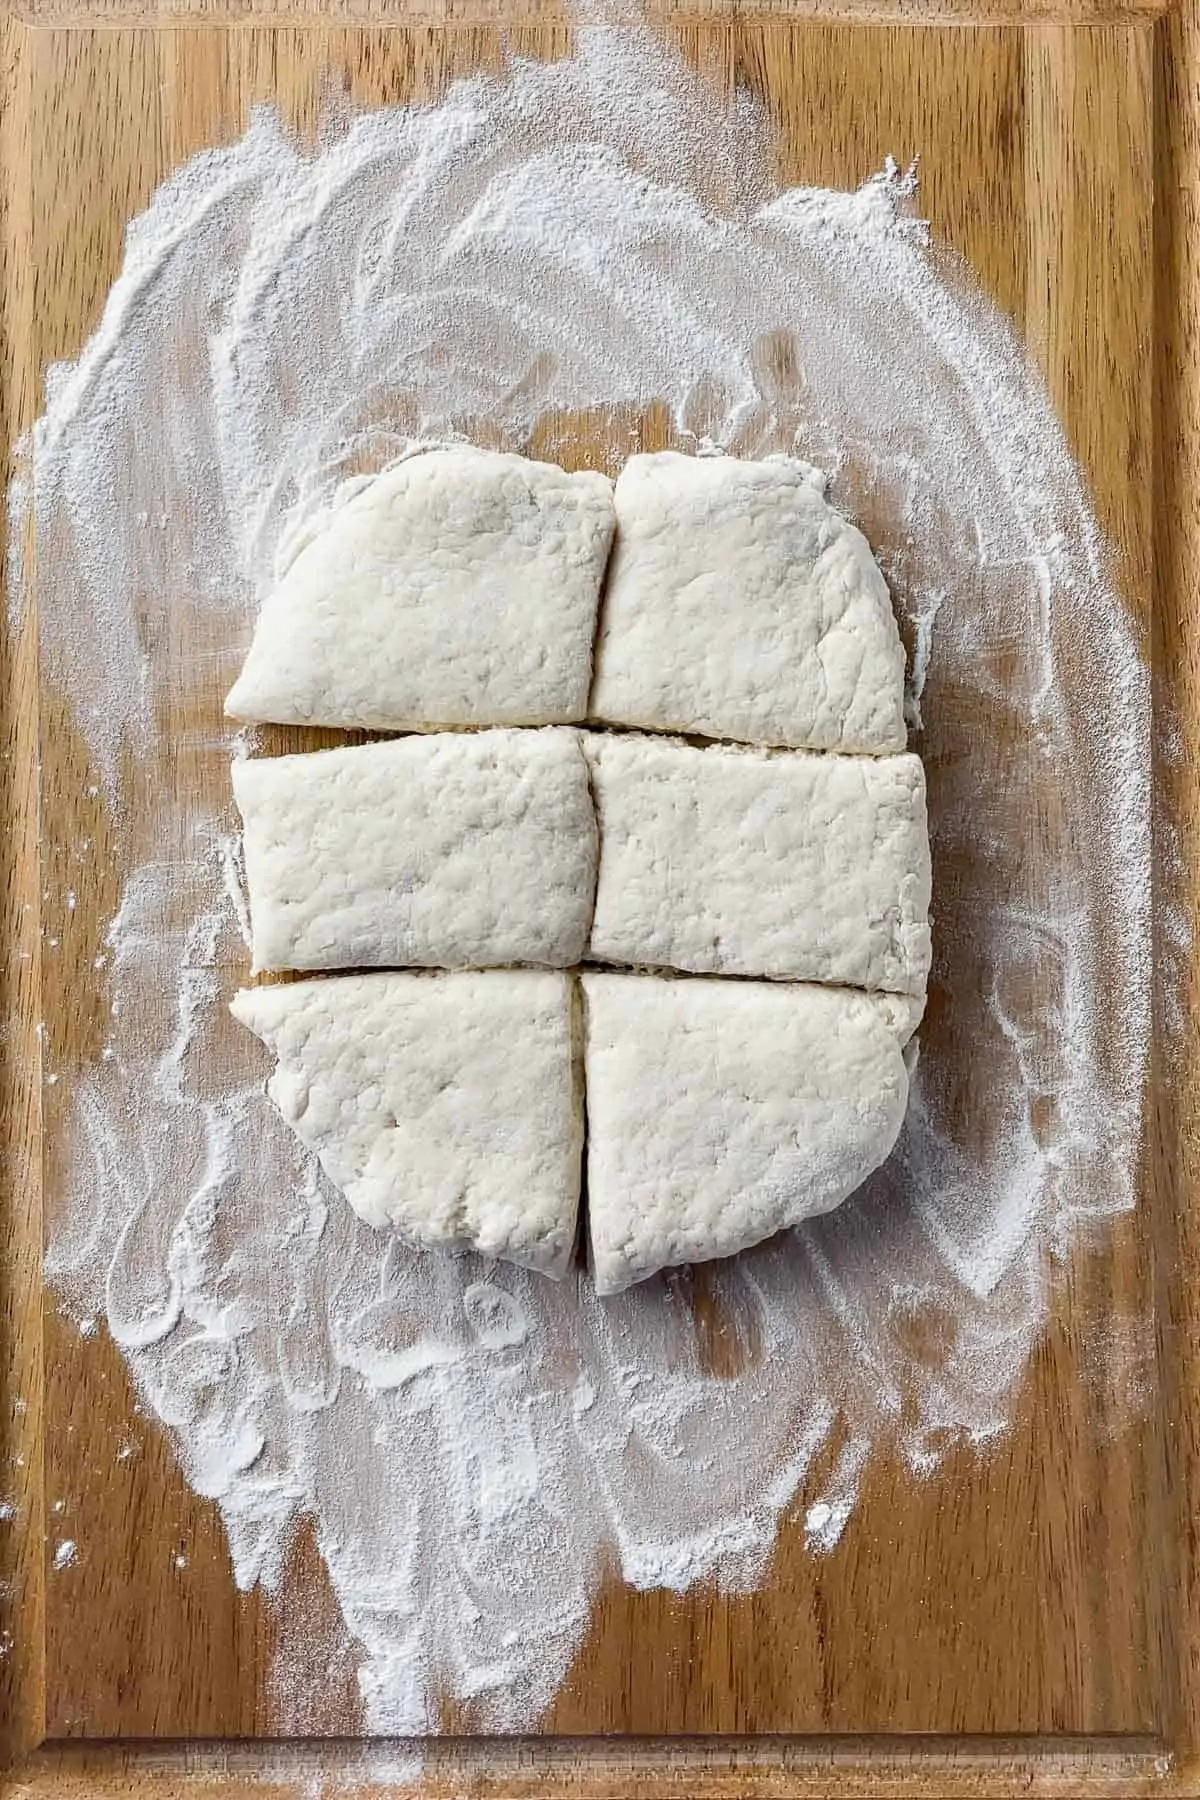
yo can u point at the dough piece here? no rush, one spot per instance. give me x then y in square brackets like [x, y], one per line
[746, 862]
[721, 1112]
[741, 605]
[458, 588]
[461, 850]
[445, 1106]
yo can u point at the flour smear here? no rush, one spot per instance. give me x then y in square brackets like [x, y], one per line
[472, 1446]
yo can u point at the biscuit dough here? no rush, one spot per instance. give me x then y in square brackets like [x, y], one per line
[790, 865]
[720, 1112]
[456, 596]
[446, 1107]
[461, 850]
[458, 587]
[741, 605]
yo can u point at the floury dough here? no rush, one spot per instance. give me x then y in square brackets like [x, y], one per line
[741, 605]
[458, 587]
[742, 862]
[720, 1112]
[461, 850]
[446, 1107]
[456, 596]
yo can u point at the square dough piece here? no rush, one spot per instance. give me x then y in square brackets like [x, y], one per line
[447, 1107]
[747, 862]
[463, 850]
[741, 605]
[459, 587]
[722, 1112]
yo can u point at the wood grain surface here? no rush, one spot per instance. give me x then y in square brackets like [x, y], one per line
[1038, 1606]
[545, 15]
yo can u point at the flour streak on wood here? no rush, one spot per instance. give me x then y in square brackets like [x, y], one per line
[1050, 1585]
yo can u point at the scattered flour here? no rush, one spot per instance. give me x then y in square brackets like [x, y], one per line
[469, 1444]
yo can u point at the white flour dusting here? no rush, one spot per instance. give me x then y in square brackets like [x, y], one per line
[472, 1444]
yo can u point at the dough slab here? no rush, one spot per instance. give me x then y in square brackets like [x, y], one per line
[455, 596]
[462, 850]
[446, 1107]
[458, 588]
[741, 605]
[721, 1112]
[789, 865]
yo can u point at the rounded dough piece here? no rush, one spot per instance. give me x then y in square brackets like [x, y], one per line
[721, 1112]
[459, 587]
[446, 1107]
[741, 605]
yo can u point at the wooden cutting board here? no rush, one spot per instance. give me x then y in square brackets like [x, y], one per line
[1034, 1606]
